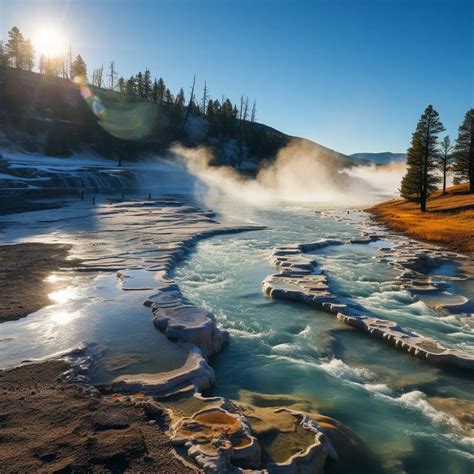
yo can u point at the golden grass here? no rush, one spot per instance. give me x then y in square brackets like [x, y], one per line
[449, 220]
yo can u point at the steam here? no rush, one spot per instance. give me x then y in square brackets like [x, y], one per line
[302, 172]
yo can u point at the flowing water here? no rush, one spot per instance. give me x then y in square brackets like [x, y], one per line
[383, 395]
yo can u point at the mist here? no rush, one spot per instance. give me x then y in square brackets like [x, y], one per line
[302, 172]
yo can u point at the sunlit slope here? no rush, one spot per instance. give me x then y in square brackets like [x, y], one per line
[449, 220]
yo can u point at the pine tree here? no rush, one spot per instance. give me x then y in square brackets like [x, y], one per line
[147, 84]
[179, 101]
[419, 179]
[445, 158]
[79, 69]
[3, 56]
[154, 92]
[169, 99]
[121, 85]
[28, 54]
[160, 90]
[15, 47]
[131, 87]
[205, 97]
[139, 84]
[463, 166]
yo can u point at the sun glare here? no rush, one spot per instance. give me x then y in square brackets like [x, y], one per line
[50, 42]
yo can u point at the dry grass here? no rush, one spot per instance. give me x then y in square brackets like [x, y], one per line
[449, 220]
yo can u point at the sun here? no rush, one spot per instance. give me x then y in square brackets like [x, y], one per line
[50, 42]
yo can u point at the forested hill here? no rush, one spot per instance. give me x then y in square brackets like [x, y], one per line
[55, 116]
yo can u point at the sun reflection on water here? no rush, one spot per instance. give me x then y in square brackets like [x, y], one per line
[62, 317]
[64, 295]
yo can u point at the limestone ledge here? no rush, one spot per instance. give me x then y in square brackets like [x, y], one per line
[299, 280]
[179, 320]
[194, 375]
[217, 435]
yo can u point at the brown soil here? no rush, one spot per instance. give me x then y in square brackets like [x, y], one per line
[23, 269]
[449, 220]
[49, 426]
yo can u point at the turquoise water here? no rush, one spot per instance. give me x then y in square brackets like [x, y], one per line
[383, 395]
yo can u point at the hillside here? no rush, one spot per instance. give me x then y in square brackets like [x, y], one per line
[448, 222]
[53, 116]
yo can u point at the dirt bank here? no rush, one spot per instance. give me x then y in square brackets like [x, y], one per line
[50, 426]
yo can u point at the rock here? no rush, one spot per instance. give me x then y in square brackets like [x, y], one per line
[296, 282]
[182, 321]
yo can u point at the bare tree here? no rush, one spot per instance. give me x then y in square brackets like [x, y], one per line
[191, 98]
[246, 110]
[70, 61]
[112, 74]
[97, 76]
[253, 115]
[205, 97]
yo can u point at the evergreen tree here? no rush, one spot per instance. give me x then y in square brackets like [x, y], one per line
[178, 109]
[169, 99]
[28, 54]
[160, 90]
[15, 48]
[121, 86]
[3, 56]
[154, 92]
[463, 166]
[79, 69]
[445, 158]
[147, 84]
[205, 97]
[419, 179]
[131, 87]
[139, 85]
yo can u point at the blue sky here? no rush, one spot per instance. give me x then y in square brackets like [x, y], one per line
[351, 75]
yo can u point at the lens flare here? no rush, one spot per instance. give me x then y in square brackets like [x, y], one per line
[123, 117]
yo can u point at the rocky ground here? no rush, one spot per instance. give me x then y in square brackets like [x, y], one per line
[51, 426]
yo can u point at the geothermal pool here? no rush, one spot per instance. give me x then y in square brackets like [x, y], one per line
[399, 406]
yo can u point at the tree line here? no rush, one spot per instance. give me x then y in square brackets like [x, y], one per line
[429, 160]
[225, 119]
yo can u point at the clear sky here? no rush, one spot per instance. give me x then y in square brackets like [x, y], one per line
[351, 75]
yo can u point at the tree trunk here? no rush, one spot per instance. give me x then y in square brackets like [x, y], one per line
[424, 183]
[444, 177]
[471, 160]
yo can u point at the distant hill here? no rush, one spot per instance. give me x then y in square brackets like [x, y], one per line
[382, 158]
